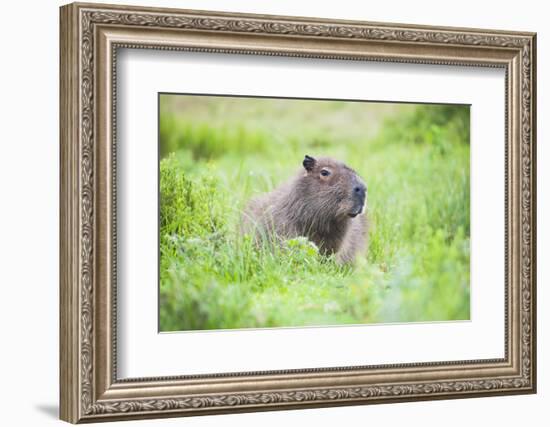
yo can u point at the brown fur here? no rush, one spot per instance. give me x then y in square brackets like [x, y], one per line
[328, 210]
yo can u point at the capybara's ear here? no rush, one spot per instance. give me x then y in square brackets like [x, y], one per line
[309, 163]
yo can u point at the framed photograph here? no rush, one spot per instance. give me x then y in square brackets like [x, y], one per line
[266, 212]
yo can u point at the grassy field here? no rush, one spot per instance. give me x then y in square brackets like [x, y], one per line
[217, 153]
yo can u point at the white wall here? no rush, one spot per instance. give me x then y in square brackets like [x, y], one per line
[29, 170]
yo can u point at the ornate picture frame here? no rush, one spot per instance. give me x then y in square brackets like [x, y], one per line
[90, 37]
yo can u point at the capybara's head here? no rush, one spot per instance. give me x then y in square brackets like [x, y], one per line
[330, 189]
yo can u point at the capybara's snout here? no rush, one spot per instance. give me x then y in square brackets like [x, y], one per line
[360, 191]
[359, 195]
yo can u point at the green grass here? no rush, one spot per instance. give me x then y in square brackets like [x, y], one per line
[218, 152]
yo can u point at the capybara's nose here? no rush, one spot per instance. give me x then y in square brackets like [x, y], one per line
[359, 190]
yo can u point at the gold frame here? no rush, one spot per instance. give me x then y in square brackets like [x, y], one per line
[90, 36]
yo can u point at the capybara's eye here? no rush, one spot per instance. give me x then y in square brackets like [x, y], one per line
[325, 172]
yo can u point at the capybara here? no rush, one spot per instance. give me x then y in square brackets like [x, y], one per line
[324, 202]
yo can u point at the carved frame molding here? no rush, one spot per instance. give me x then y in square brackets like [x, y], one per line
[90, 37]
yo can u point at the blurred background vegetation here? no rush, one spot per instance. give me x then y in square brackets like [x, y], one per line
[218, 152]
